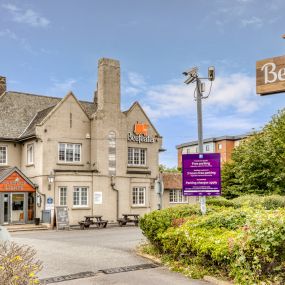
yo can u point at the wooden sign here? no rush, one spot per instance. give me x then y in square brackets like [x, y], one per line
[15, 183]
[62, 220]
[270, 75]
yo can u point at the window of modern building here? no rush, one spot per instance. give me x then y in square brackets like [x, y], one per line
[30, 154]
[136, 156]
[3, 155]
[62, 196]
[175, 196]
[138, 196]
[68, 152]
[207, 147]
[219, 146]
[112, 153]
[80, 197]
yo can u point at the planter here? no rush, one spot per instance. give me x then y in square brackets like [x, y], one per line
[37, 221]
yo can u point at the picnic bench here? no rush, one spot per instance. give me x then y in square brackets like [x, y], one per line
[128, 218]
[93, 220]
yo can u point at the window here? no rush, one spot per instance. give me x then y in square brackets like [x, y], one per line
[219, 146]
[68, 152]
[139, 196]
[175, 196]
[3, 155]
[62, 196]
[136, 156]
[112, 153]
[207, 147]
[30, 154]
[80, 197]
[197, 149]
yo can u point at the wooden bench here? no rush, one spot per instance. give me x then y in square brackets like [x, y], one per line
[128, 218]
[89, 220]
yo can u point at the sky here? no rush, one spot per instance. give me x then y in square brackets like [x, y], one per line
[52, 47]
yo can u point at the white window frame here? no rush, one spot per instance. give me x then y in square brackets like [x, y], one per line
[220, 146]
[68, 147]
[136, 192]
[135, 155]
[207, 147]
[30, 154]
[80, 188]
[176, 197]
[60, 188]
[2, 147]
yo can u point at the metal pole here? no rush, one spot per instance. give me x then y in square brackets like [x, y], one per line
[200, 135]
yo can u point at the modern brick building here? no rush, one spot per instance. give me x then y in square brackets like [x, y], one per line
[88, 156]
[223, 145]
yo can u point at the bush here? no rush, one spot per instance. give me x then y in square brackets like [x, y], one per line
[157, 222]
[18, 265]
[244, 243]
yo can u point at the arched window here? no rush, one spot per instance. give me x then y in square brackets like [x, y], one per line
[112, 152]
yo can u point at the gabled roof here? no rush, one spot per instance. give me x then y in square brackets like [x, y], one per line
[20, 112]
[136, 103]
[5, 172]
[172, 180]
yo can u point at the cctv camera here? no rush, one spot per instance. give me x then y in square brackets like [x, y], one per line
[191, 72]
[189, 80]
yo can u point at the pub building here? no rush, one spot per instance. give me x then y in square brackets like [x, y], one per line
[88, 156]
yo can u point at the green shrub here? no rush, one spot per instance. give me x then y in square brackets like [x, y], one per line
[246, 243]
[220, 201]
[156, 222]
[18, 265]
[273, 202]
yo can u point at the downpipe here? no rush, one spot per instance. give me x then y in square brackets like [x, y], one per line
[117, 194]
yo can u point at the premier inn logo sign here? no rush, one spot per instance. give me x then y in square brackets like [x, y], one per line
[140, 134]
[270, 75]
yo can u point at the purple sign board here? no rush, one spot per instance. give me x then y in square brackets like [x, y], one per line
[201, 174]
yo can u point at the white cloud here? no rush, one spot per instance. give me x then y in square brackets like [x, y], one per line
[253, 21]
[6, 33]
[60, 89]
[136, 79]
[29, 16]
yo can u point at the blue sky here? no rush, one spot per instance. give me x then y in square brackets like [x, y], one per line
[51, 47]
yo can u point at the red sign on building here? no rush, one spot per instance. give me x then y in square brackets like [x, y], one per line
[15, 183]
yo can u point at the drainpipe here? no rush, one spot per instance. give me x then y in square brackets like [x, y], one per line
[117, 200]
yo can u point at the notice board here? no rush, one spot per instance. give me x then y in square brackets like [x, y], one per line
[201, 174]
[61, 215]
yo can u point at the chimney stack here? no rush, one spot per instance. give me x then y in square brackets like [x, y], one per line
[108, 87]
[2, 85]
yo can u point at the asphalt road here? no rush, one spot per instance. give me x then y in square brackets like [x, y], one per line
[76, 251]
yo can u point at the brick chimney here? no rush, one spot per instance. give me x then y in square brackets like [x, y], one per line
[2, 85]
[108, 88]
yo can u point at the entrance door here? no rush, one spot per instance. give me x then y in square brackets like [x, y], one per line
[18, 212]
[6, 209]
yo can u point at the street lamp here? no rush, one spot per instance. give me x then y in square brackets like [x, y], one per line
[193, 76]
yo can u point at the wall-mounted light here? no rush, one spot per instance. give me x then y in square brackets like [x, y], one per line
[50, 179]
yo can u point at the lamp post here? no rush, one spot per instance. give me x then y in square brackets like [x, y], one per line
[193, 76]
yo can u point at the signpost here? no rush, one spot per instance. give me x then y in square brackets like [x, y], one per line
[62, 220]
[201, 174]
[270, 75]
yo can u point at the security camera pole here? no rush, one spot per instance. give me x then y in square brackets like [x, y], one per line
[200, 88]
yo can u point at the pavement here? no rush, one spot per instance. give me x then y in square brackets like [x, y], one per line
[68, 255]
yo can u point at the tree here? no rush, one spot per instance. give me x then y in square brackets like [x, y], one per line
[164, 168]
[258, 164]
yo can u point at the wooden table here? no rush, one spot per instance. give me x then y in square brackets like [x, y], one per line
[93, 220]
[128, 218]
